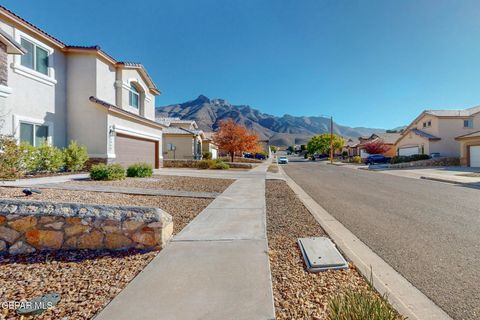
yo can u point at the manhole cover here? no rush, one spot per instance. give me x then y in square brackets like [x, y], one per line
[321, 254]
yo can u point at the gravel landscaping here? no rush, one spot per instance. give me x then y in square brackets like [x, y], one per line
[299, 294]
[167, 183]
[86, 280]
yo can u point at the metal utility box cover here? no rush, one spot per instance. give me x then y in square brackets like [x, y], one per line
[321, 254]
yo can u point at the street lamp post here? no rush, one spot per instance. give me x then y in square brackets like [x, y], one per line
[331, 137]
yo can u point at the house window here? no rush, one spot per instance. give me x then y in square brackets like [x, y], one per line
[427, 124]
[36, 57]
[170, 147]
[33, 134]
[134, 97]
[468, 123]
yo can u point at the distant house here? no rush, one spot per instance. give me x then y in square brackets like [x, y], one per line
[449, 133]
[52, 93]
[181, 139]
[358, 148]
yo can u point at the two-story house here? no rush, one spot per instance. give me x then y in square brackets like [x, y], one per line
[53, 93]
[436, 132]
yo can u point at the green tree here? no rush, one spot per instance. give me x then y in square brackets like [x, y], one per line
[273, 149]
[321, 143]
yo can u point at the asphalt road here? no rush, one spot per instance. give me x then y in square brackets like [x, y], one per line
[428, 231]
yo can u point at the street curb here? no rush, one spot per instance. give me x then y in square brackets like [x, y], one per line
[440, 180]
[403, 296]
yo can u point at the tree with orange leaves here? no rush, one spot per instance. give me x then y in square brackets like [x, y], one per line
[233, 138]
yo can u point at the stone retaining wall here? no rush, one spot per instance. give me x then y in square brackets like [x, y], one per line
[29, 226]
[437, 162]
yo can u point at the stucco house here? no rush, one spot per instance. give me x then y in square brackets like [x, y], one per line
[439, 132]
[209, 146]
[181, 139]
[53, 92]
[357, 148]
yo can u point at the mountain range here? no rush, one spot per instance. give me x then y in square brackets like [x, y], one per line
[281, 131]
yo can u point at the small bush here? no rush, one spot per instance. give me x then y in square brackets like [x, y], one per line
[48, 159]
[75, 157]
[205, 164]
[10, 159]
[28, 158]
[107, 172]
[220, 165]
[359, 305]
[140, 170]
[207, 156]
[357, 159]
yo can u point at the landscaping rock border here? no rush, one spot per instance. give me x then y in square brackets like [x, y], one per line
[29, 226]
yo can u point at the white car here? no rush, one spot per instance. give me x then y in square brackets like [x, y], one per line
[282, 160]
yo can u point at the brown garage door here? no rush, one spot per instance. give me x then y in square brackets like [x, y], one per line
[130, 150]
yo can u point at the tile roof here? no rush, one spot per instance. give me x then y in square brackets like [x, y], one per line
[97, 48]
[175, 130]
[17, 17]
[475, 134]
[113, 107]
[11, 44]
[424, 134]
[390, 138]
[454, 113]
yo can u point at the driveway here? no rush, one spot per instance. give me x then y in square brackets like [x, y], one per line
[428, 231]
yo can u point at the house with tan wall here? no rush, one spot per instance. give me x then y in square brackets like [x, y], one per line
[439, 132]
[51, 92]
[209, 146]
[181, 139]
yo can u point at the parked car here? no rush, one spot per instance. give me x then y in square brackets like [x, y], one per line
[377, 158]
[260, 156]
[282, 160]
[248, 155]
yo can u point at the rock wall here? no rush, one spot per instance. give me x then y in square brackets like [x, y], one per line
[180, 163]
[29, 226]
[437, 162]
[3, 64]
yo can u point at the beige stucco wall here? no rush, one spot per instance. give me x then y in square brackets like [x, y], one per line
[124, 78]
[184, 144]
[413, 140]
[87, 122]
[35, 97]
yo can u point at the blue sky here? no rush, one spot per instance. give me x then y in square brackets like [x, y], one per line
[367, 63]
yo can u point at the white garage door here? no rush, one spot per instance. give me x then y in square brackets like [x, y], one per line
[475, 156]
[363, 153]
[407, 151]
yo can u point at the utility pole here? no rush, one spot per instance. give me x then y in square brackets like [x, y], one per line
[331, 139]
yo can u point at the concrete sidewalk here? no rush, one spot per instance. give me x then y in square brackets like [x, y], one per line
[215, 268]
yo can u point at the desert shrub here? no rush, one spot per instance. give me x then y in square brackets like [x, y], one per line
[107, 172]
[359, 305]
[28, 155]
[75, 156]
[10, 159]
[219, 165]
[140, 170]
[48, 158]
[414, 157]
[357, 159]
[205, 164]
[207, 156]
